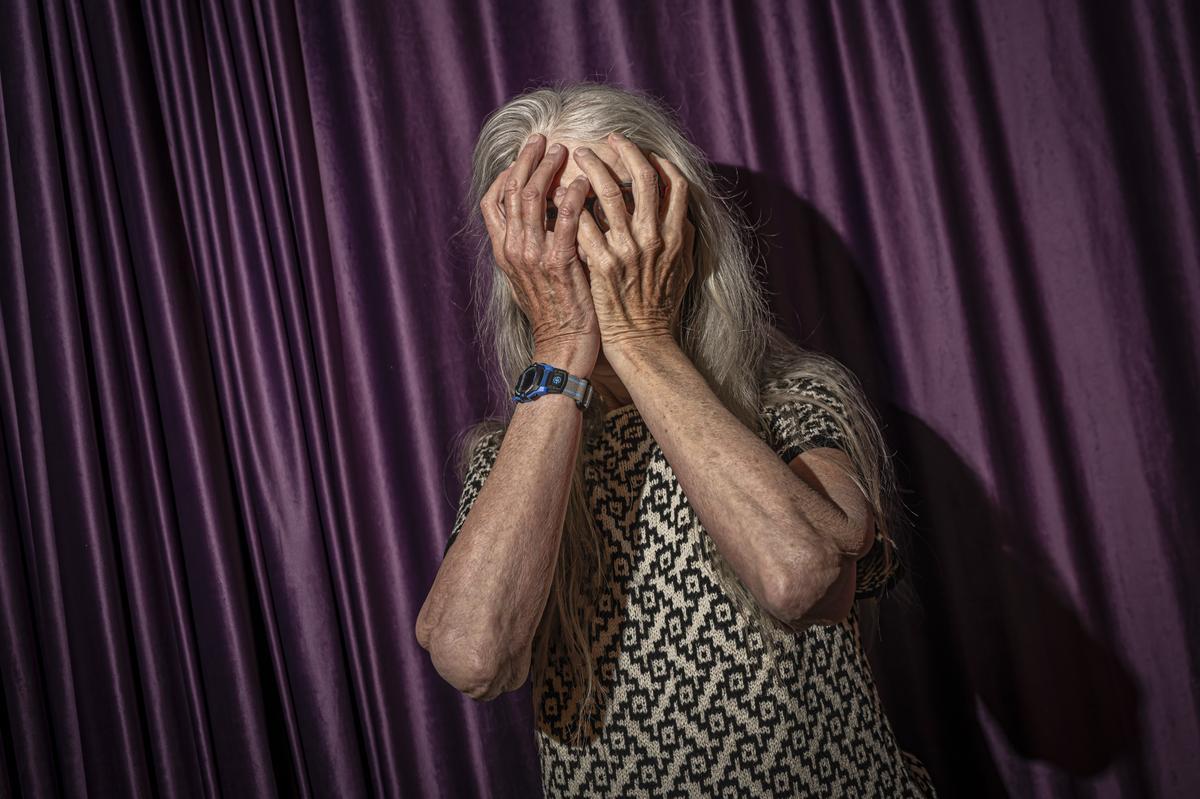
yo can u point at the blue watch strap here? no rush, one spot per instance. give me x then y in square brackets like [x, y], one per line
[540, 379]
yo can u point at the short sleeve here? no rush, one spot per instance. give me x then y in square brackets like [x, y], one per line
[800, 422]
[483, 457]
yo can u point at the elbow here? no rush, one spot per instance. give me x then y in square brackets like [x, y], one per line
[863, 534]
[811, 589]
[475, 670]
[423, 630]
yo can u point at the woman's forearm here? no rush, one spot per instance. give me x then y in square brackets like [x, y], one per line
[485, 604]
[777, 532]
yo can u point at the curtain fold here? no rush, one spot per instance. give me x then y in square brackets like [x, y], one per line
[237, 346]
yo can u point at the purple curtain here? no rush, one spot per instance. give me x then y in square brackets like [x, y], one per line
[236, 346]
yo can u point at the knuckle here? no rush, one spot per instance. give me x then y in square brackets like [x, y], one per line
[611, 191]
[647, 174]
[530, 193]
[560, 256]
[605, 262]
[532, 253]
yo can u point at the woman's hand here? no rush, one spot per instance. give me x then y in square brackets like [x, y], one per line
[543, 267]
[641, 266]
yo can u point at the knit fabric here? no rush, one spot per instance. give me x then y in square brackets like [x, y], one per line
[689, 705]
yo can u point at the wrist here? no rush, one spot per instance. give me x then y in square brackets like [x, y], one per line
[546, 378]
[631, 348]
[574, 358]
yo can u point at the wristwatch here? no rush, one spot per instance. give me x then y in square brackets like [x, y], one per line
[540, 379]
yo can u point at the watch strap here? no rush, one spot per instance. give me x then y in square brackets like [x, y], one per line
[540, 379]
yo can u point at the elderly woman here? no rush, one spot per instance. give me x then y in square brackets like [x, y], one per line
[672, 529]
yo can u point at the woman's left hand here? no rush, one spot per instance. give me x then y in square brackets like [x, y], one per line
[641, 265]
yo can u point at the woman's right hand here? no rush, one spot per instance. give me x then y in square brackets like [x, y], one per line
[542, 266]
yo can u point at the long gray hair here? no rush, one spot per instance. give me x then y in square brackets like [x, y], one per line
[726, 331]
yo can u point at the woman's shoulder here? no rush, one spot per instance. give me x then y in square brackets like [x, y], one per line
[785, 391]
[793, 382]
[479, 443]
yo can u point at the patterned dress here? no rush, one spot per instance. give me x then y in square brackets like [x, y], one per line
[690, 708]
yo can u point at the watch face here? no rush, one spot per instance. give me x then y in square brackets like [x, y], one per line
[527, 380]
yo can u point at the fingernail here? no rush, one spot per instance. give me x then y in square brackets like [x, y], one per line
[554, 150]
[584, 150]
[530, 138]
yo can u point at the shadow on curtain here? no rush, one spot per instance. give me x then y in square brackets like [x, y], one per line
[235, 348]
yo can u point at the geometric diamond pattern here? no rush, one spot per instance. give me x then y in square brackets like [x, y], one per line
[690, 708]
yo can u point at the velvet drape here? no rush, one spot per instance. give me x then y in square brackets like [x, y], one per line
[236, 346]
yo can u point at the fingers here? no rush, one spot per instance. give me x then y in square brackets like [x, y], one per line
[517, 177]
[490, 207]
[689, 247]
[569, 205]
[645, 182]
[533, 196]
[677, 198]
[608, 193]
[593, 247]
